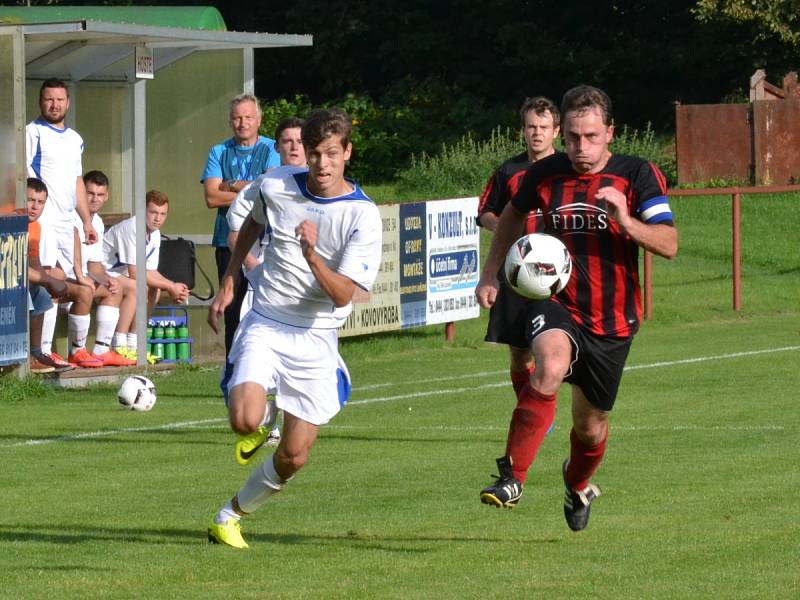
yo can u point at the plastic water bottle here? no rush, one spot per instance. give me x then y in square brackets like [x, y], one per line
[184, 349]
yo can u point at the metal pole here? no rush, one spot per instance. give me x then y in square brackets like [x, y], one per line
[248, 70]
[737, 257]
[139, 191]
[648, 285]
[20, 173]
[449, 331]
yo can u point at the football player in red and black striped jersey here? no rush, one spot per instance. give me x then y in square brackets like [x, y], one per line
[604, 207]
[540, 121]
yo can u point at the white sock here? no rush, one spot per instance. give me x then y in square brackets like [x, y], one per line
[77, 330]
[132, 341]
[226, 513]
[49, 328]
[262, 483]
[107, 317]
[120, 340]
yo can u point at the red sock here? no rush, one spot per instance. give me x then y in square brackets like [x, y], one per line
[520, 378]
[529, 423]
[583, 461]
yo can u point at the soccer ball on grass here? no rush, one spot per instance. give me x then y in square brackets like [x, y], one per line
[137, 393]
[538, 266]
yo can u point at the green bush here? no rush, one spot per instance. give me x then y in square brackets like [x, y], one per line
[275, 111]
[460, 169]
[416, 139]
[645, 144]
[406, 121]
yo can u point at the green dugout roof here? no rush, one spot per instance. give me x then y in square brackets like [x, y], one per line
[97, 43]
[186, 17]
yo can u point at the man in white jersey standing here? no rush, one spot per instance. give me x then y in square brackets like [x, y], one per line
[53, 154]
[289, 144]
[324, 243]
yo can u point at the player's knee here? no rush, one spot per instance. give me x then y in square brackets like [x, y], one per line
[86, 295]
[549, 375]
[291, 460]
[590, 432]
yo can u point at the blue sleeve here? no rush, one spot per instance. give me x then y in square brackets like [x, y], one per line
[274, 159]
[213, 166]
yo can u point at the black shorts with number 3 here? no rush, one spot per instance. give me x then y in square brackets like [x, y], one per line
[597, 362]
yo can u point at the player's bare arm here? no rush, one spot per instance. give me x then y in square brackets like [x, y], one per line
[489, 220]
[250, 261]
[658, 239]
[80, 276]
[82, 208]
[38, 276]
[176, 289]
[248, 235]
[340, 289]
[155, 280]
[97, 272]
[509, 228]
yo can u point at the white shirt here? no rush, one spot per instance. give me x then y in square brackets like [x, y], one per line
[119, 247]
[240, 209]
[92, 252]
[349, 241]
[54, 156]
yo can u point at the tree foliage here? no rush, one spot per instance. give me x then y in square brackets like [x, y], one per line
[772, 18]
[416, 74]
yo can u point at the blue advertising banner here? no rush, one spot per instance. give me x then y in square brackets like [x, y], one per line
[413, 261]
[13, 290]
[429, 268]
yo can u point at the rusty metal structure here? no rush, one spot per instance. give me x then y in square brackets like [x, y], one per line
[736, 237]
[754, 143]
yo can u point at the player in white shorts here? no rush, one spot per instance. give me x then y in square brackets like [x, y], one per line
[324, 242]
[53, 154]
[289, 145]
[113, 295]
[119, 249]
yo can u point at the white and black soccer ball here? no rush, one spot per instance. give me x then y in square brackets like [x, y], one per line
[537, 266]
[137, 393]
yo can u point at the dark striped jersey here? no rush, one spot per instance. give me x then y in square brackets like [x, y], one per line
[502, 186]
[603, 294]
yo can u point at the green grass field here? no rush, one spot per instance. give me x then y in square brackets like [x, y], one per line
[699, 480]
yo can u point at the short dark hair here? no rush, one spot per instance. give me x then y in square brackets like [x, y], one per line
[53, 82]
[156, 197]
[325, 122]
[288, 123]
[540, 105]
[583, 97]
[96, 177]
[37, 185]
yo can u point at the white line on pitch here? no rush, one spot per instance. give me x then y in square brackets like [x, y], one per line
[504, 383]
[628, 368]
[106, 433]
[616, 428]
[189, 424]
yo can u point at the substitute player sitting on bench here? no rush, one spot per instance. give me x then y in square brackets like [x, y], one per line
[119, 249]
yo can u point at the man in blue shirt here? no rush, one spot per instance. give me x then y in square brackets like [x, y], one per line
[232, 165]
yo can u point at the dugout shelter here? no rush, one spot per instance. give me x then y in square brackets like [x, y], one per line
[149, 90]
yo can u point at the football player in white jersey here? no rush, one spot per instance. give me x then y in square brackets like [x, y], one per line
[53, 154]
[113, 295]
[119, 249]
[324, 243]
[289, 144]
